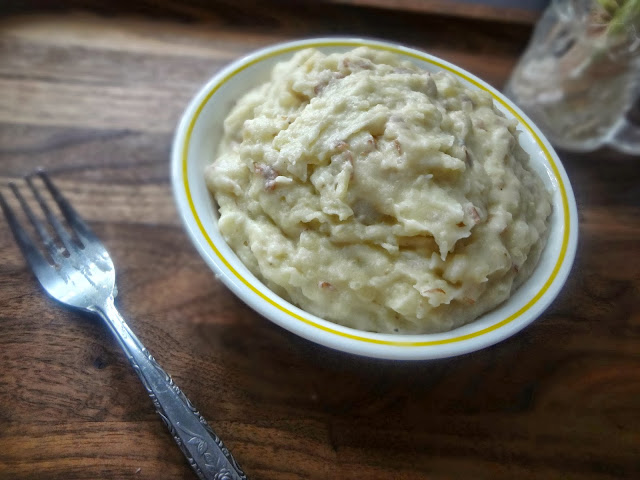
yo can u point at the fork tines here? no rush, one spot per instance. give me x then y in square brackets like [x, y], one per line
[64, 241]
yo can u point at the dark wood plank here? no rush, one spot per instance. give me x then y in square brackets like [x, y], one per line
[458, 8]
[93, 96]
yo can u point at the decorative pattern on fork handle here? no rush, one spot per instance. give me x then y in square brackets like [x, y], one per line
[204, 450]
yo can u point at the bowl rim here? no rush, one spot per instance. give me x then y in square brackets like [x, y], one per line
[421, 346]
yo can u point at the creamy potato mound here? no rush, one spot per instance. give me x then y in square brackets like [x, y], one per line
[377, 195]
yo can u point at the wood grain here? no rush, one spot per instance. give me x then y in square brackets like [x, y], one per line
[93, 96]
[457, 8]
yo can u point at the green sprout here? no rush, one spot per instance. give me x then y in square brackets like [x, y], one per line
[623, 15]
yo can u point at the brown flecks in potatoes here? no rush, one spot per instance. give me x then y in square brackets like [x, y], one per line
[268, 173]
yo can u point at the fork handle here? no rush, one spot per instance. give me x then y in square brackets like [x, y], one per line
[204, 450]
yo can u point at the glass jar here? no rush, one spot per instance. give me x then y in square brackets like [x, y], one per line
[580, 75]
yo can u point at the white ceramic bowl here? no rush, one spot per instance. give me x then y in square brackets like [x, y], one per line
[195, 146]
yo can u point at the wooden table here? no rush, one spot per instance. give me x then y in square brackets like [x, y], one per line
[93, 95]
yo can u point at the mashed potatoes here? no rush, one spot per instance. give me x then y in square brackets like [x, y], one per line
[376, 195]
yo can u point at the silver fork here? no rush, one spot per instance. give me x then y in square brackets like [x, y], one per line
[82, 275]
